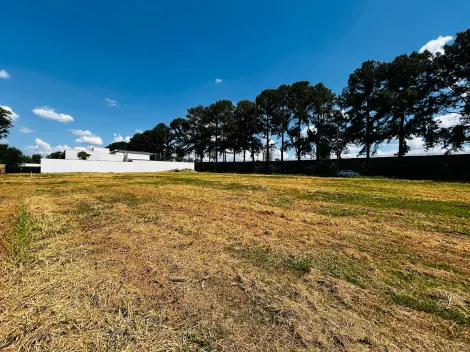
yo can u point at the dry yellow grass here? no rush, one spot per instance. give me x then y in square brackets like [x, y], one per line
[211, 262]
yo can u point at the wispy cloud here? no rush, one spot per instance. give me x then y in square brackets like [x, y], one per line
[119, 138]
[50, 114]
[13, 116]
[26, 129]
[4, 74]
[138, 131]
[81, 132]
[436, 45]
[43, 148]
[218, 80]
[110, 102]
[87, 137]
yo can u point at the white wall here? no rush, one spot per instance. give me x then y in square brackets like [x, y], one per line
[63, 166]
[71, 154]
[131, 156]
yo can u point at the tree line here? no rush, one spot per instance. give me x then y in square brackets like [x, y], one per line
[382, 101]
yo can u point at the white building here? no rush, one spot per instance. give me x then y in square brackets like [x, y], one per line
[104, 160]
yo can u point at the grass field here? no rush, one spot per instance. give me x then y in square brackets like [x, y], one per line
[216, 262]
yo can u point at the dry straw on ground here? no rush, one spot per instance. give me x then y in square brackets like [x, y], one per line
[187, 261]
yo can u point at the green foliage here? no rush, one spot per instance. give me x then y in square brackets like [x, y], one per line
[10, 156]
[56, 155]
[118, 146]
[5, 123]
[361, 100]
[406, 100]
[83, 155]
[454, 72]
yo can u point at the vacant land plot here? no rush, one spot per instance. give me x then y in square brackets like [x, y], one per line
[209, 262]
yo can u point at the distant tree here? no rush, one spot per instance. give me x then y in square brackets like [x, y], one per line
[142, 142]
[10, 156]
[323, 103]
[5, 123]
[180, 132]
[118, 146]
[36, 158]
[162, 140]
[454, 72]
[361, 101]
[407, 100]
[300, 104]
[267, 103]
[249, 121]
[55, 155]
[220, 115]
[343, 137]
[83, 155]
[282, 118]
[198, 138]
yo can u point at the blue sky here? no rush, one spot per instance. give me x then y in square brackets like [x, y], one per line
[154, 59]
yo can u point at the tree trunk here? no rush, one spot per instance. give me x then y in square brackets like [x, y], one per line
[253, 159]
[216, 139]
[244, 155]
[267, 147]
[317, 143]
[282, 152]
[368, 131]
[401, 136]
[298, 140]
[234, 156]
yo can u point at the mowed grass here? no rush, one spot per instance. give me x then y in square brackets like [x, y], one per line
[217, 262]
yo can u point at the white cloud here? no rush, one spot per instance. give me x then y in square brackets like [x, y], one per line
[82, 149]
[3, 141]
[119, 138]
[44, 148]
[448, 120]
[4, 74]
[26, 129]
[218, 80]
[13, 116]
[138, 131]
[110, 102]
[436, 45]
[95, 140]
[50, 114]
[81, 132]
[87, 137]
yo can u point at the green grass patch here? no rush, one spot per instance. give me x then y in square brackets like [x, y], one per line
[281, 202]
[339, 211]
[201, 343]
[356, 271]
[300, 264]
[20, 235]
[131, 200]
[428, 305]
[443, 266]
[426, 206]
[259, 255]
